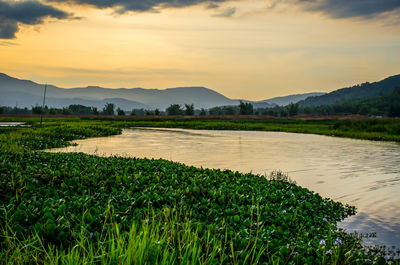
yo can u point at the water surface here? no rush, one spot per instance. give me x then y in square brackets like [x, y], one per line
[10, 124]
[358, 172]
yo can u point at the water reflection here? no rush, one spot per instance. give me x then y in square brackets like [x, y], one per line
[361, 173]
[10, 124]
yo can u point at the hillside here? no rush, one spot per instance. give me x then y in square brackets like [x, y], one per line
[25, 93]
[383, 105]
[357, 92]
[286, 100]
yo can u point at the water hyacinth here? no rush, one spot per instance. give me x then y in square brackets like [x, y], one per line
[89, 195]
[217, 200]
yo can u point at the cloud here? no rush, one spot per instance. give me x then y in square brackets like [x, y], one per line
[212, 5]
[227, 13]
[122, 6]
[12, 14]
[7, 43]
[346, 8]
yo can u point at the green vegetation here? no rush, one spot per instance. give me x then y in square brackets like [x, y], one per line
[354, 93]
[67, 208]
[55, 134]
[387, 129]
[245, 108]
[385, 105]
[378, 129]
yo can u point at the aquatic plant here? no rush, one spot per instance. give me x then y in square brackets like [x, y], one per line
[73, 208]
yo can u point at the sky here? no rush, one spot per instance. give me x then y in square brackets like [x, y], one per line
[249, 49]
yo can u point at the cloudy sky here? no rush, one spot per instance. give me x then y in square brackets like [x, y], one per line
[253, 49]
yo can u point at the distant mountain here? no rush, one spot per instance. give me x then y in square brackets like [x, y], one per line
[286, 100]
[383, 105]
[357, 92]
[26, 93]
[21, 100]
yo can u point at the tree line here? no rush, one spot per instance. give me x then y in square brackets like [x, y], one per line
[110, 109]
[383, 105]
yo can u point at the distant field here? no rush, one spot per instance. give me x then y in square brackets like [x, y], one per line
[378, 129]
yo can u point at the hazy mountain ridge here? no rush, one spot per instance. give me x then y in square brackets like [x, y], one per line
[357, 92]
[25, 93]
[286, 100]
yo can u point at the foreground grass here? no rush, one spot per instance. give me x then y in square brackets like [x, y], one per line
[76, 208]
[166, 238]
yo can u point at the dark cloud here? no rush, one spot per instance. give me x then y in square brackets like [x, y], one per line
[212, 6]
[227, 13]
[24, 12]
[352, 8]
[346, 8]
[122, 6]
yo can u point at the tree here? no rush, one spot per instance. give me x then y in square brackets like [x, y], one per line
[189, 109]
[245, 108]
[52, 111]
[271, 112]
[2, 109]
[66, 111]
[139, 112]
[120, 112]
[203, 112]
[293, 109]
[95, 111]
[175, 109]
[283, 112]
[230, 110]
[157, 112]
[109, 109]
[78, 109]
[38, 110]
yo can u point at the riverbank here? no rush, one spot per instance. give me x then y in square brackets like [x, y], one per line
[366, 129]
[53, 202]
[377, 129]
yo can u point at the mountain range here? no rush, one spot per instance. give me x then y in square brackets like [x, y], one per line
[25, 93]
[353, 93]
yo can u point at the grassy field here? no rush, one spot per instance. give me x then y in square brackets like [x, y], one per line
[384, 129]
[66, 208]
[367, 129]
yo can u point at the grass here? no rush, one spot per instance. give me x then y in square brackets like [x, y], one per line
[387, 129]
[67, 208]
[162, 239]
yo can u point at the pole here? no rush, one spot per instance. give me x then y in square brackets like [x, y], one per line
[44, 100]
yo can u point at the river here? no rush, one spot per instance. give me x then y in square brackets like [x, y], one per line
[362, 173]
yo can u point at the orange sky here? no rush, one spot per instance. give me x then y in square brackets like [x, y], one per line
[256, 53]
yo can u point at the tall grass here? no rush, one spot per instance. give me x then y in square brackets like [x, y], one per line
[166, 238]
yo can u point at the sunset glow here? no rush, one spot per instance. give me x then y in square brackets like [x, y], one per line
[242, 49]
